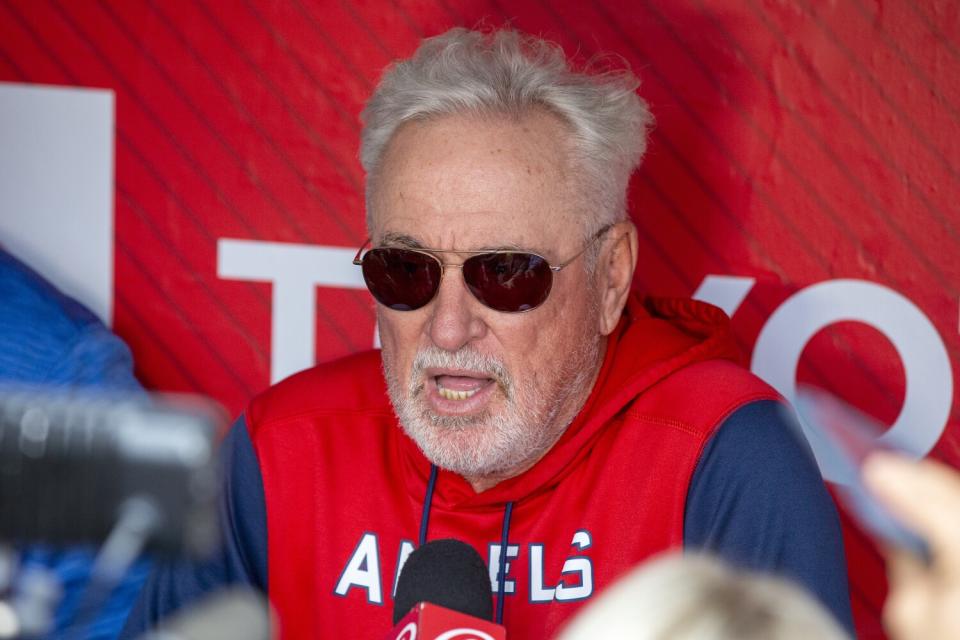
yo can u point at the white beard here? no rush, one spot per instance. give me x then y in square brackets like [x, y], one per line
[489, 444]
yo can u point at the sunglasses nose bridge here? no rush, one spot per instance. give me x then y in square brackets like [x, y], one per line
[453, 321]
[447, 265]
[443, 270]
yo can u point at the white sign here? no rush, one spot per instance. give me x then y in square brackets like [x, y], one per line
[56, 187]
[294, 270]
[788, 330]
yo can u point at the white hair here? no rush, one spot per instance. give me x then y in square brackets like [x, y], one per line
[691, 597]
[508, 73]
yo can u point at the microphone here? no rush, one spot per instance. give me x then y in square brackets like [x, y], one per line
[75, 464]
[448, 573]
[122, 470]
[444, 592]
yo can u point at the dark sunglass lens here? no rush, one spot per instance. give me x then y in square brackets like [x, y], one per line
[401, 279]
[507, 281]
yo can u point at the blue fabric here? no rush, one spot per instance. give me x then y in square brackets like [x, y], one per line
[502, 569]
[49, 339]
[756, 499]
[242, 556]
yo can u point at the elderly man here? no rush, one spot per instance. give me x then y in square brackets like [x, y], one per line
[525, 401]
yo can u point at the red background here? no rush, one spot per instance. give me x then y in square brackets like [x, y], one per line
[796, 142]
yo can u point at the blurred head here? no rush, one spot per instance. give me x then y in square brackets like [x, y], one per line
[486, 142]
[688, 597]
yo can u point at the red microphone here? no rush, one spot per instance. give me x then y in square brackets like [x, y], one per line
[443, 593]
[428, 621]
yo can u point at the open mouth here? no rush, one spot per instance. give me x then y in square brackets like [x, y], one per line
[459, 387]
[458, 392]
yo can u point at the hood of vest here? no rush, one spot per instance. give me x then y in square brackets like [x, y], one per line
[655, 337]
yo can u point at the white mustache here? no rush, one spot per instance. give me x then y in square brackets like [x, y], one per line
[436, 358]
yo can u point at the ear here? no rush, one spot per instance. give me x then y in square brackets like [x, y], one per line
[615, 267]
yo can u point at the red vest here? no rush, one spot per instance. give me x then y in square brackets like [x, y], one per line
[345, 487]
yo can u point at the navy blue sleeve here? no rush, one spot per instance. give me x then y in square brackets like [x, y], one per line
[242, 558]
[757, 499]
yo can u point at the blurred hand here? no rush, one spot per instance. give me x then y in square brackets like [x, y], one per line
[924, 601]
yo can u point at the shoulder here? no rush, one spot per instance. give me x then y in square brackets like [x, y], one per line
[353, 384]
[703, 395]
[757, 470]
[758, 442]
[757, 498]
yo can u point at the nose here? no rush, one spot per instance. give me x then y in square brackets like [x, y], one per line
[454, 320]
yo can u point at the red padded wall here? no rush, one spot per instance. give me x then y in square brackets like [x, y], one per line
[797, 142]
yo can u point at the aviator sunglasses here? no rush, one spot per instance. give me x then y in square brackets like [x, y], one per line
[506, 280]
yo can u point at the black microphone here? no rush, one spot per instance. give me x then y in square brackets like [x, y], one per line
[449, 573]
[86, 466]
[74, 464]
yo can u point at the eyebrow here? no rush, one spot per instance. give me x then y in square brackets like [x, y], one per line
[391, 238]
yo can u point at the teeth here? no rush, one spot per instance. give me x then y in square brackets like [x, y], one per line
[451, 394]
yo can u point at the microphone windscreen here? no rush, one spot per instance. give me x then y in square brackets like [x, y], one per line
[448, 573]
